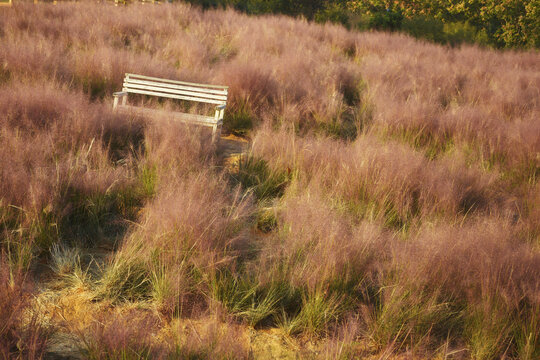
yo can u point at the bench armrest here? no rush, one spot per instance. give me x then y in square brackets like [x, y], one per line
[220, 110]
[118, 95]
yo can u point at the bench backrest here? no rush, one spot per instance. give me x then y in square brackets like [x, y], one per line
[146, 85]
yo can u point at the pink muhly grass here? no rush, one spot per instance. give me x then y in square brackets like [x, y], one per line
[22, 333]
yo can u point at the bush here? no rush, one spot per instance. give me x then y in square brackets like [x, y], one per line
[452, 33]
[425, 27]
[508, 24]
[334, 13]
[389, 20]
[462, 32]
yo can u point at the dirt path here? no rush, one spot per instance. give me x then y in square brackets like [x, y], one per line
[230, 149]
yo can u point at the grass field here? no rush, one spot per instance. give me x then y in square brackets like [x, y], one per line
[388, 204]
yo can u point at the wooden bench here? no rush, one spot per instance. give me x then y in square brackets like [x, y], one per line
[172, 89]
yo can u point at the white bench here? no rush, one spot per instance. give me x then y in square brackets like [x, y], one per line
[172, 89]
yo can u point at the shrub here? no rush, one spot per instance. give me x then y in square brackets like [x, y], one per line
[459, 33]
[386, 20]
[333, 12]
[424, 27]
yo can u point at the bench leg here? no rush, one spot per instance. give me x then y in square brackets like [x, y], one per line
[219, 131]
[117, 97]
[215, 135]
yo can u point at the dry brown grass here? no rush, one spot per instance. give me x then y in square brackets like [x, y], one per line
[389, 197]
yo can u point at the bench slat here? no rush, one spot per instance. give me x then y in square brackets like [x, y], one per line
[191, 118]
[132, 76]
[172, 96]
[130, 85]
[178, 87]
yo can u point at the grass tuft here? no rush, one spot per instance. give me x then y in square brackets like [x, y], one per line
[255, 176]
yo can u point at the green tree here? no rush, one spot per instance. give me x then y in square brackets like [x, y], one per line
[507, 23]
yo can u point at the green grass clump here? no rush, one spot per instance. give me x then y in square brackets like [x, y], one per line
[488, 332]
[257, 177]
[526, 334]
[26, 234]
[278, 302]
[267, 219]
[239, 120]
[404, 315]
[381, 209]
[95, 214]
[317, 313]
[344, 129]
[433, 145]
[125, 279]
[148, 179]
[67, 266]
[97, 87]
[243, 297]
